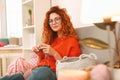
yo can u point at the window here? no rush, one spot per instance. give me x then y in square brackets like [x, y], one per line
[14, 18]
[10, 18]
[3, 32]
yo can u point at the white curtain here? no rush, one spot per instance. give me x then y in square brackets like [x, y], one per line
[3, 30]
[14, 18]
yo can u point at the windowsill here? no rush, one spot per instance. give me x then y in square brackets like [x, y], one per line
[10, 50]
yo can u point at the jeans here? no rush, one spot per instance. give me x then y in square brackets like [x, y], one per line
[41, 73]
[17, 76]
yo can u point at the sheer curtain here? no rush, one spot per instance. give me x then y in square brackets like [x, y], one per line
[14, 18]
[3, 30]
[0, 23]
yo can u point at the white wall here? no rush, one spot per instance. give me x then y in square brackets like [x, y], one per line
[74, 9]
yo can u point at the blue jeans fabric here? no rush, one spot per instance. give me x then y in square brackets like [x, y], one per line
[17, 76]
[41, 73]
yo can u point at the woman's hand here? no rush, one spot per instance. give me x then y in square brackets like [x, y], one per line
[47, 49]
[50, 51]
[37, 49]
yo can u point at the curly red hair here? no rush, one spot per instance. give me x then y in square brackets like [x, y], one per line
[48, 34]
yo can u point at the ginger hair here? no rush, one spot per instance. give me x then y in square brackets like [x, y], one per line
[48, 34]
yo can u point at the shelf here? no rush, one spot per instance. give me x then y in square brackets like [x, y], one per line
[4, 50]
[32, 29]
[27, 2]
[28, 49]
[29, 27]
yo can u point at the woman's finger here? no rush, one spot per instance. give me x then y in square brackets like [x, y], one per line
[44, 46]
[35, 49]
[46, 51]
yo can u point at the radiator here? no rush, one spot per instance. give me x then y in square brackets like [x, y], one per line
[0, 66]
[5, 60]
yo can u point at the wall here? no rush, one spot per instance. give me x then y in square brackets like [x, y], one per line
[74, 9]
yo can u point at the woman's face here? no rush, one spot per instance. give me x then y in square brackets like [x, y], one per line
[55, 22]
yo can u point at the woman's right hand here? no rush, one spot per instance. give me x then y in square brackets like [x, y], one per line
[37, 49]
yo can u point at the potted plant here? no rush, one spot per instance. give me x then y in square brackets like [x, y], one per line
[30, 17]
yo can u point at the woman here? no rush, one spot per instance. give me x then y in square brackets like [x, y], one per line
[58, 40]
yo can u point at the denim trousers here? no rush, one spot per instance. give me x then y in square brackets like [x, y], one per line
[40, 73]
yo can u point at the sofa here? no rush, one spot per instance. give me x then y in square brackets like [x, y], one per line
[103, 55]
[94, 32]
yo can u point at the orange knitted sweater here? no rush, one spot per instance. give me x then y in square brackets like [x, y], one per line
[68, 46]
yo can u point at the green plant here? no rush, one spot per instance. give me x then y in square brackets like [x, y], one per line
[30, 13]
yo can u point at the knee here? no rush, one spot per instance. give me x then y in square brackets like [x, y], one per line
[43, 73]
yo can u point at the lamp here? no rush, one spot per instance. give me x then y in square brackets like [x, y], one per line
[105, 15]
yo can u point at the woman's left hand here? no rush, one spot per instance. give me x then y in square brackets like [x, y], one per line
[50, 51]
